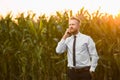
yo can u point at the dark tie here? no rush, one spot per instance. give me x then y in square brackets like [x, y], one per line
[74, 43]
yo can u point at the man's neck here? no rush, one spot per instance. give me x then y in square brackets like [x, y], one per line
[75, 33]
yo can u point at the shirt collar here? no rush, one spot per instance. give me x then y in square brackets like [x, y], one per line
[77, 35]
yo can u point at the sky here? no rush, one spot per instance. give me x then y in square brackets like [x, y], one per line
[51, 6]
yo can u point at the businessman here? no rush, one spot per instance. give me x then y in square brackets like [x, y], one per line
[81, 52]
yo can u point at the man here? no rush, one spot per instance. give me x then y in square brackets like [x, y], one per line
[81, 52]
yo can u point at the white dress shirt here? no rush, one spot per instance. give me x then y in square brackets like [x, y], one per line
[86, 54]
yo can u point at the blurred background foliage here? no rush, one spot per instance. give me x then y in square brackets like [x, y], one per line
[27, 45]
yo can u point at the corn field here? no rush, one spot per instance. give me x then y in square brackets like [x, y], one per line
[27, 46]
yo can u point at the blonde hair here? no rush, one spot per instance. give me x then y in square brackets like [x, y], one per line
[74, 18]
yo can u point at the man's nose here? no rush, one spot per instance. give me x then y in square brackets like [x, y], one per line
[70, 27]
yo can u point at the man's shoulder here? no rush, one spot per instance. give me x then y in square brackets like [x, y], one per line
[85, 35]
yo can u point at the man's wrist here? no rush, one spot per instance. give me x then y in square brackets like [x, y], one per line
[92, 69]
[64, 37]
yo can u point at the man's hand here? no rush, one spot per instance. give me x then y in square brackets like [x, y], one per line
[67, 34]
[92, 74]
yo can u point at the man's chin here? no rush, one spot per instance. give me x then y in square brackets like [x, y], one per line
[72, 32]
[75, 32]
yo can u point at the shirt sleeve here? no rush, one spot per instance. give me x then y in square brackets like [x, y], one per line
[61, 46]
[93, 54]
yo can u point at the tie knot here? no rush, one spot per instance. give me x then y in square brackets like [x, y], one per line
[74, 36]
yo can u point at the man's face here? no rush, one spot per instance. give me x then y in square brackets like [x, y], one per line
[73, 26]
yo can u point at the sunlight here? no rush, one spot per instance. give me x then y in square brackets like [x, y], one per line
[112, 6]
[49, 7]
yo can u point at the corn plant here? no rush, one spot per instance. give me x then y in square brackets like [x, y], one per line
[27, 46]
